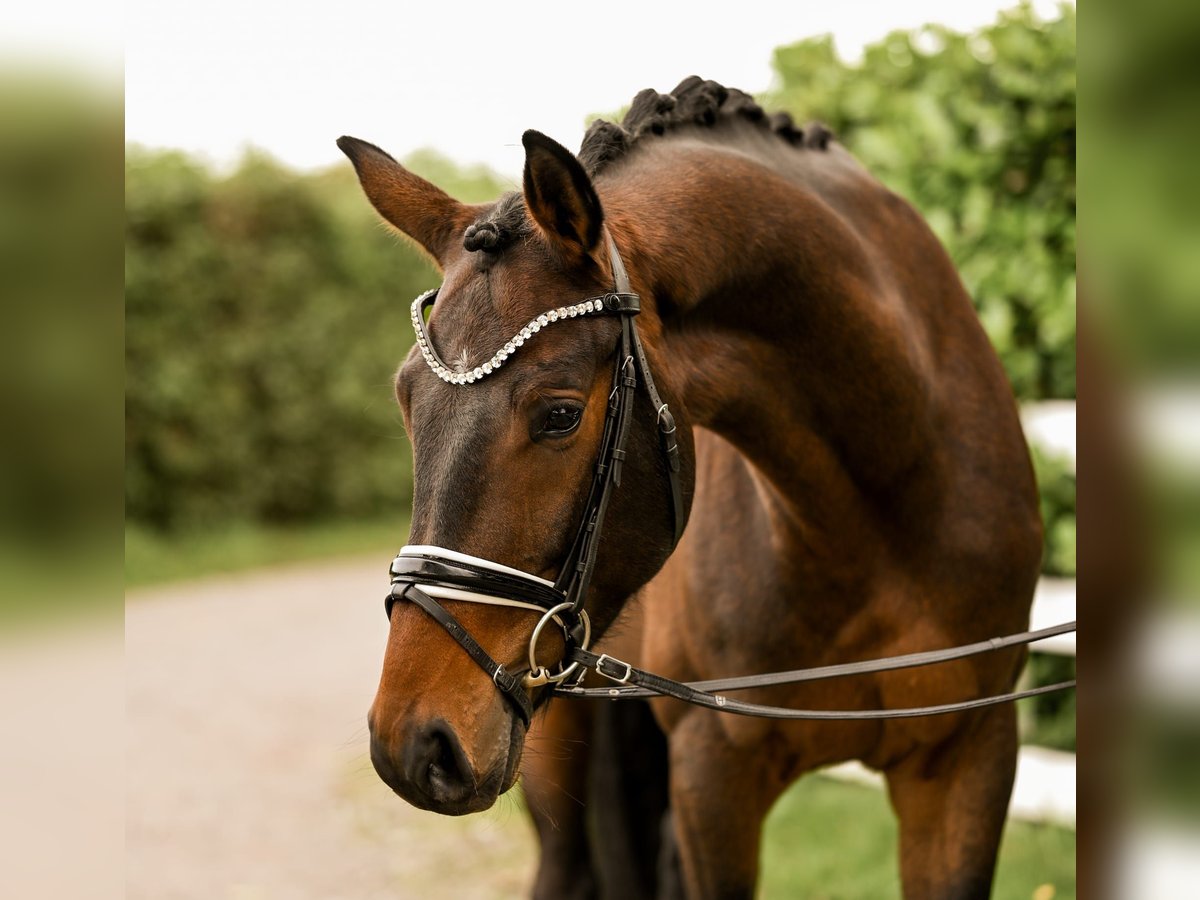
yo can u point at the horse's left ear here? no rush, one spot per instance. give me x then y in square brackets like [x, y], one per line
[560, 196]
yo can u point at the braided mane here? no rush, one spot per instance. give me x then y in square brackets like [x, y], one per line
[694, 102]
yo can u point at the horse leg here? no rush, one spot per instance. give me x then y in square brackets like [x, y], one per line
[628, 799]
[554, 776]
[951, 801]
[718, 803]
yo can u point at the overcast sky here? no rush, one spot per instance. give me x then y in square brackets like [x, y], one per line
[465, 77]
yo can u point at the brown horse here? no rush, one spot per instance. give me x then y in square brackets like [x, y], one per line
[858, 482]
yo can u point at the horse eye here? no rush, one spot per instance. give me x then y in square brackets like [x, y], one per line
[561, 420]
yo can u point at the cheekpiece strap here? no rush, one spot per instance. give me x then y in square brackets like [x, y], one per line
[620, 276]
[510, 685]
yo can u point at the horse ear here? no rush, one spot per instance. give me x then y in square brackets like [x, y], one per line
[421, 210]
[560, 195]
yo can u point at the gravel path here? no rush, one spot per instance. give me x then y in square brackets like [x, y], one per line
[247, 770]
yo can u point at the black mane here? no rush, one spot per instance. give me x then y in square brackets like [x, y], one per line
[693, 102]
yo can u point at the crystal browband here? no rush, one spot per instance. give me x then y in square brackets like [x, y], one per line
[607, 304]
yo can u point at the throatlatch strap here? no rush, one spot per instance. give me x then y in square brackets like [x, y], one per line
[510, 685]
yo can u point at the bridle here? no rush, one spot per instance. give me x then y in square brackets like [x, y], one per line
[426, 574]
[423, 574]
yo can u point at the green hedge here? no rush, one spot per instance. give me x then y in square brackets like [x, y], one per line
[266, 310]
[978, 131]
[265, 315]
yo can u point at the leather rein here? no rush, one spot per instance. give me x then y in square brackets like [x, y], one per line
[427, 575]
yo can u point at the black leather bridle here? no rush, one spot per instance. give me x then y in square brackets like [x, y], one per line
[425, 574]
[420, 572]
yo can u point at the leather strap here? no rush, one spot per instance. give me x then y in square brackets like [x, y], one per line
[448, 573]
[620, 302]
[664, 419]
[638, 683]
[864, 667]
[510, 685]
[576, 573]
[620, 276]
[666, 434]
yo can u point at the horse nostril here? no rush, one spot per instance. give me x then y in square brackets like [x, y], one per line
[447, 773]
[429, 769]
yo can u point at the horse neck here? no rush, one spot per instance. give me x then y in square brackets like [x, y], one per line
[778, 325]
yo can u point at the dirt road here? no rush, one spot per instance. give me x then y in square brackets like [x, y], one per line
[247, 770]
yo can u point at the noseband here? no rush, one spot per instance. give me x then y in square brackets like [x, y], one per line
[425, 575]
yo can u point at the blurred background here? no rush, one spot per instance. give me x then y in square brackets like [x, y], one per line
[266, 472]
[264, 317]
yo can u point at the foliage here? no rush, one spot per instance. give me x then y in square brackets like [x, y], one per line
[1142, 272]
[59, 375]
[1056, 487]
[265, 316]
[1048, 720]
[978, 131]
[153, 558]
[265, 309]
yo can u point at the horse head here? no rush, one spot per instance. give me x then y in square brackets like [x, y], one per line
[505, 398]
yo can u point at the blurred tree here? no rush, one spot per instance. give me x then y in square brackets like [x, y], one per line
[1142, 273]
[978, 131]
[265, 315]
[265, 311]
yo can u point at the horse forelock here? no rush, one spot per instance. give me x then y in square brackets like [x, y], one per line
[501, 225]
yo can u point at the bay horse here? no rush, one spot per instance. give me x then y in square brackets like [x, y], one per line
[855, 483]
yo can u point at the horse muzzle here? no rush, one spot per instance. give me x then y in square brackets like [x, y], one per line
[431, 769]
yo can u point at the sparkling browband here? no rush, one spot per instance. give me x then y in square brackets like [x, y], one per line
[442, 371]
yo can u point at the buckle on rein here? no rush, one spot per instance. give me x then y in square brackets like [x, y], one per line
[539, 675]
[619, 679]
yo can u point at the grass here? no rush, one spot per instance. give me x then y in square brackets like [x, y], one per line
[826, 840]
[151, 558]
